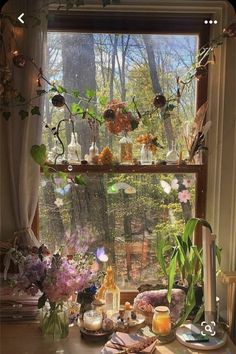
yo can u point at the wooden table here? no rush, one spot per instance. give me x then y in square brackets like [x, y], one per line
[26, 338]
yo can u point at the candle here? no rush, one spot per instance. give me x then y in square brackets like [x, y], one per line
[161, 322]
[92, 320]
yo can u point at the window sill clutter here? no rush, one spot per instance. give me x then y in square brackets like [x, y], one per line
[11, 334]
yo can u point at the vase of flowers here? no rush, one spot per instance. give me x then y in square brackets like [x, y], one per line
[149, 147]
[58, 278]
[54, 320]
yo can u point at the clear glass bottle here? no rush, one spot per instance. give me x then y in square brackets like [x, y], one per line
[161, 322]
[74, 150]
[112, 294]
[146, 155]
[126, 150]
[172, 156]
[93, 151]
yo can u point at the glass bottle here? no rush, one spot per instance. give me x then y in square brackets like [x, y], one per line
[161, 322]
[112, 294]
[146, 155]
[74, 150]
[93, 151]
[126, 150]
[172, 156]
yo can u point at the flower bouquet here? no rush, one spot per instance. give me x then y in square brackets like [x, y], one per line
[57, 278]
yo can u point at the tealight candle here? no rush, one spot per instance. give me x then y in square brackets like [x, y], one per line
[161, 322]
[92, 320]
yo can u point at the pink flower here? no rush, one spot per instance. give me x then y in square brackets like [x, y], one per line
[184, 196]
[188, 182]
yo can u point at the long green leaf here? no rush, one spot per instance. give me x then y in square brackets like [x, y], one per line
[191, 225]
[160, 255]
[171, 276]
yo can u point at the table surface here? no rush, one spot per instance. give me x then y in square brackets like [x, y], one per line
[26, 338]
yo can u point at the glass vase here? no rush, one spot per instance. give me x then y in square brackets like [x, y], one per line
[74, 150]
[54, 321]
[146, 155]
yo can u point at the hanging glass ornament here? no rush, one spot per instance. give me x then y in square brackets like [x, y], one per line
[58, 100]
[159, 101]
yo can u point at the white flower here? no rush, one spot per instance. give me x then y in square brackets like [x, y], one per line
[175, 184]
[58, 202]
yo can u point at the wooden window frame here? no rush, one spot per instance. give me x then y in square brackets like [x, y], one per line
[136, 22]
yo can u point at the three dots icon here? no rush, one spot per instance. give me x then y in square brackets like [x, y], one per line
[210, 22]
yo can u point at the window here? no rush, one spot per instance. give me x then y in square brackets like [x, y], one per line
[125, 208]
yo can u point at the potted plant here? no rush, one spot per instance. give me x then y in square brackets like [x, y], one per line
[186, 259]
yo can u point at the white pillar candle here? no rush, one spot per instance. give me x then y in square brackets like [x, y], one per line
[92, 320]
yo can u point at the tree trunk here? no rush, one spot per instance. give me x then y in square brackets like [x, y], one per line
[157, 87]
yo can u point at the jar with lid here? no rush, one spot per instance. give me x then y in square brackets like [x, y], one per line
[74, 150]
[161, 322]
[126, 150]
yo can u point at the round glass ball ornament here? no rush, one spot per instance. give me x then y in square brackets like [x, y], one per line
[58, 100]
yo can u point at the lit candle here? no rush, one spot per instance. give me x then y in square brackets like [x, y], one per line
[161, 322]
[92, 320]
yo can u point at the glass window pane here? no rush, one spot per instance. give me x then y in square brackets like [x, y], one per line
[128, 214]
[121, 66]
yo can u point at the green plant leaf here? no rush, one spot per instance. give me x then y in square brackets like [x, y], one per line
[75, 93]
[6, 115]
[80, 180]
[53, 89]
[23, 114]
[90, 93]
[61, 89]
[218, 254]
[76, 108]
[103, 100]
[46, 171]
[35, 111]
[39, 154]
[40, 92]
[171, 276]
[20, 98]
[160, 255]
[199, 314]
[41, 301]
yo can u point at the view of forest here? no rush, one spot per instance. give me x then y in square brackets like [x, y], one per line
[125, 213]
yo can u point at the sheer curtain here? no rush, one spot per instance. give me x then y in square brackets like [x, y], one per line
[19, 173]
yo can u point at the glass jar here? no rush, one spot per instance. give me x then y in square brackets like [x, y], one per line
[126, 150]
[74, 150]
[54, 321]
[172, 156]
[92, 320]
[146, 155]
[161, 322]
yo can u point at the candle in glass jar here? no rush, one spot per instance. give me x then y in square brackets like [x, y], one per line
[161, 322]
[92, 320]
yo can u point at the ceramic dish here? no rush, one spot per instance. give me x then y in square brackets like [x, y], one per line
[140, 319]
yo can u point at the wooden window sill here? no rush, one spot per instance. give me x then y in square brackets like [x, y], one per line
[24, 338]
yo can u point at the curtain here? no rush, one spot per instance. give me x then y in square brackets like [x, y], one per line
[19, 173]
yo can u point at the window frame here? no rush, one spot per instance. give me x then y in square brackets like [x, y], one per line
[139, 22]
